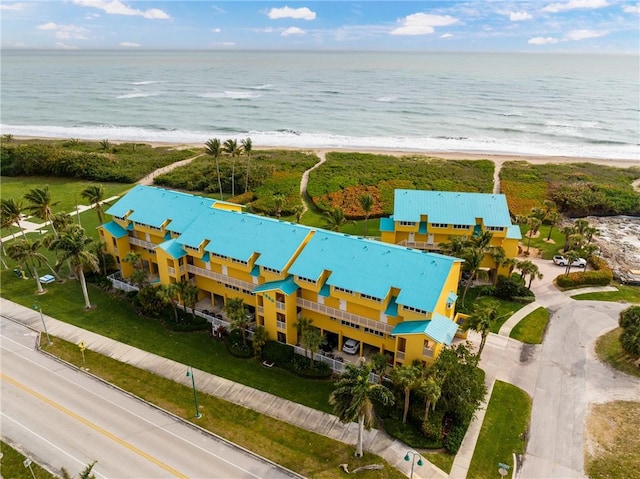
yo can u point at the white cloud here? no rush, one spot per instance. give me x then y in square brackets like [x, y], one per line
[116, 7]
[91, 16]
[575, 4]
[65, 32]
[64, 46]
[226, 44]
[129, 44]
[542, 41]
[519, 16]
[292, 31]
[632, 9]
[216, 30]
[422, 24]
[12, 6]
[302, 13]
[447, 35]
[584, 34]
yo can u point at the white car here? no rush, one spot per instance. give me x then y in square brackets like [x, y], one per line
[562, 261]
[351, 346]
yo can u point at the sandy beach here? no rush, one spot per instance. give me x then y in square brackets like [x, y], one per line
[446, 155]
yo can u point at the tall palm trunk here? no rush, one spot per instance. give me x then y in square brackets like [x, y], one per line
[359, 452]
[34, 271]
[407, 394]
[233, 177]
[219, 180]
[83, 283]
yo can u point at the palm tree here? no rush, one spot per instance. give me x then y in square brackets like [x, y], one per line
[407, 377]
[482, 319]
[41, 204]
[534, 223]
[140, 275]
[482, 240]
[231, 148]
[247, 146]
[567, 231]
[499, 256]
[530, 269]
[431, 390]
[455, 247]
[234, 308]
[26, 251]
[366, 202]
[73, 243]
[189, 293]
[212, 148]
[571, 256]
[260, 338]
[95, 195]
[379, 364]
[553, 219]
[11, 213]
[168, 293]
[298, 210]
[278, 203]
[335, 219]
[472, 261]
[312, 339]
[352, 399]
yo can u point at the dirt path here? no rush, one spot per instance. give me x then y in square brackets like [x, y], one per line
[305, 179]
[636, 185]
[148, 180]
[496, 175]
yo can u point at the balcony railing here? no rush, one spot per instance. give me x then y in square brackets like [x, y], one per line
[142, 243]
[400, 355]
[281, 325]
[118, 282]
[418, 244]
[280, 306]
[221, 278]
[339, 314]
[427, 352]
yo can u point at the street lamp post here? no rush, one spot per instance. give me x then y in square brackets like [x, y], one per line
[37, 307]
[411, 456]
[195, 393]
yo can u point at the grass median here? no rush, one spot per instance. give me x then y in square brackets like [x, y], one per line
[304, 452]
[531, 328]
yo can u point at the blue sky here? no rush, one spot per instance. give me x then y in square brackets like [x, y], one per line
[608, 26]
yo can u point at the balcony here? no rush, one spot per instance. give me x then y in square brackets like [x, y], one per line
[281, 325]
[221, 278]
[419, 244]
[142, 243]
[427, 352]
[339, 314]
[280, 306]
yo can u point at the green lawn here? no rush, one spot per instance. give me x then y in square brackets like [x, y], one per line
[305, 452]
[628, 294]
[475, 296]
[13, 465]
[547, 248]
[502, 431]
[609, 350]
[531, 328]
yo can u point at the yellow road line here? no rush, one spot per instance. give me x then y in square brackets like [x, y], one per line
[93, 426]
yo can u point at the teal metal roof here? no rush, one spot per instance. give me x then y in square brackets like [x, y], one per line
[325, 291]
[115, 229]
[287, 286]
[452, 297]
[387, 224]
[240, 235]
[392, 309]
[255, 271]
[173, 249]
[513, 232]
[440, 328]
[373, 268]
[153, 206]
[451, 207]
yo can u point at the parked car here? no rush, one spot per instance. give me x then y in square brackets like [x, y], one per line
[562, 261]
[351, 346]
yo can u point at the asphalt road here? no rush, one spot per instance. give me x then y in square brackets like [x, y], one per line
[66, 418]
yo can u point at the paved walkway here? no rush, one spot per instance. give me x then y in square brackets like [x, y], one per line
[375, 441]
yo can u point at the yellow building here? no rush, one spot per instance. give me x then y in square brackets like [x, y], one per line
[389, 298]
[425, 219]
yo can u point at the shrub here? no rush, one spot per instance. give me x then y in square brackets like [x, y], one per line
[509, 288]
[278, 353]
[236, 347]
[454, 437]
[630, 337]
[602, 277]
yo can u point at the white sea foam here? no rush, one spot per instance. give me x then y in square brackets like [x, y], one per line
[386, 99]
[232, 95]
[266, 86]
[148, 82]
[137, 95]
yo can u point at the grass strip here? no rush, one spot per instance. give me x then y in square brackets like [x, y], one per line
[13, 465]
[609, 350]
[613, 442]
[305, 452]
[502, 432]
[531, 328]
[625, 293]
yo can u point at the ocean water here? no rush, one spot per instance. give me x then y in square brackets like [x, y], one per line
[505, 103]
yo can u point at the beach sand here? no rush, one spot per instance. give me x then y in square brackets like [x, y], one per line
[499, 159]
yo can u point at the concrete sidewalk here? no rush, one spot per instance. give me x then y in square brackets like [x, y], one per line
[376, 442]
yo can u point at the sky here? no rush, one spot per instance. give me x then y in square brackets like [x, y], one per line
[606, 26]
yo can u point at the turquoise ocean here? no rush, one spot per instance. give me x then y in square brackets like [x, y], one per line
[503, 103]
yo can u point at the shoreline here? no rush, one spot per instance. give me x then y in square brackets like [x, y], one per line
[497, 158]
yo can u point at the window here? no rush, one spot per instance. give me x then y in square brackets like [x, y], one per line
[121, 218]
[407, 223]
[343, 290]
[239, 261]
[374, 331]
[192, 248]
[349, 324]
[156, 228]
[415, 310]
[460, 227]
[439, 225]
[272, 270]
[217, 255]
[371, 298]
[307, 280]
[237, 288]
[495, 228]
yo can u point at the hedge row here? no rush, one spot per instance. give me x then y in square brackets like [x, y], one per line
[601, 277]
